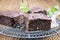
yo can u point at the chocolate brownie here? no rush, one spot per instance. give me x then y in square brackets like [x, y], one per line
[11, 18]
[37, 22]
[38, 10]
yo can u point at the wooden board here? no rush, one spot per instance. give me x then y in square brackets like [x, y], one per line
[15, 4]
[9, 4]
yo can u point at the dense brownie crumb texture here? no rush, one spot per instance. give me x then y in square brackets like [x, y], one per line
[35, 19]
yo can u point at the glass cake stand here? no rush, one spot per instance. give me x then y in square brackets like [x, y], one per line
[15, 32]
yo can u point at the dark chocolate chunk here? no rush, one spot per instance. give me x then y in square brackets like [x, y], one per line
[29, 11]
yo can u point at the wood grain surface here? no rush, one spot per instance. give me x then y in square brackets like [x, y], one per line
[15, 4]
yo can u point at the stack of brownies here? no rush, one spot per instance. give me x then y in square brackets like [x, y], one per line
[35, 19]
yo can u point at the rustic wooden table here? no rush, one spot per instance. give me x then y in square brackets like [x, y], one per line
[15, 4]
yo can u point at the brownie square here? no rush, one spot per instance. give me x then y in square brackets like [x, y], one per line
[36, 22]
[11, 18]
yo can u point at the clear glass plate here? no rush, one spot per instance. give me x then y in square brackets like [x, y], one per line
[15, 32]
